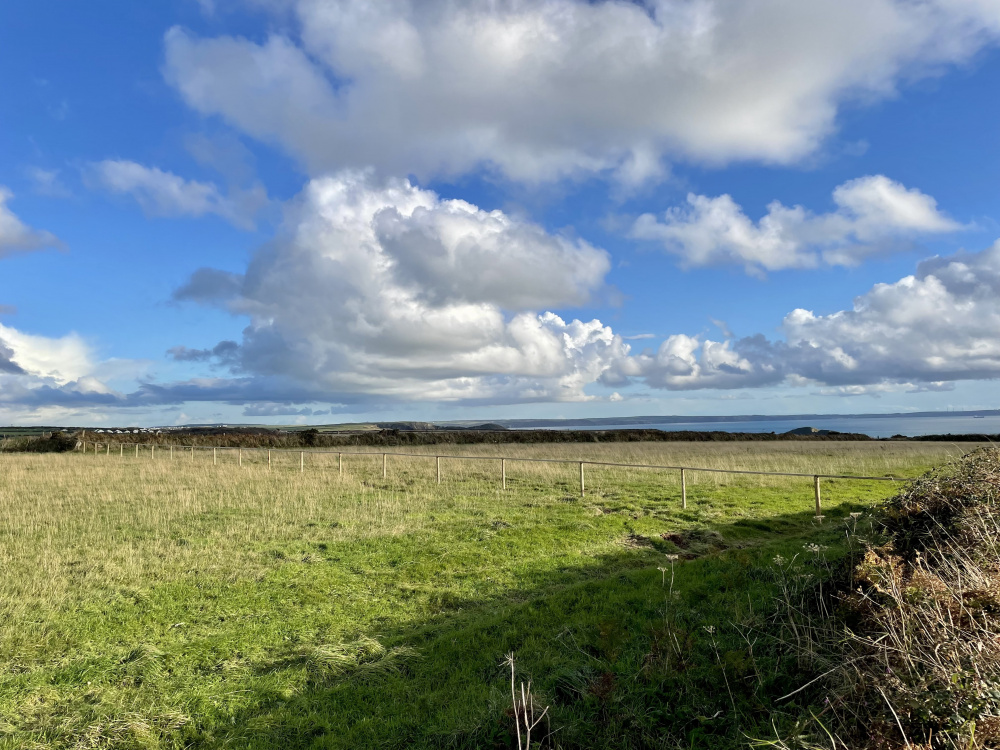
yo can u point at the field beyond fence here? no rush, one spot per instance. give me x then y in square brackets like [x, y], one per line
[502, 458]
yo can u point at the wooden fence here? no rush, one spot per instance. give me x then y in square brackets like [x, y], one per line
[684, 470]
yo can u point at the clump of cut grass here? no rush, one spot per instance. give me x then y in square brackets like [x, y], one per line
[142, 662]
[132, 730]
[363, 659]
[911, 658]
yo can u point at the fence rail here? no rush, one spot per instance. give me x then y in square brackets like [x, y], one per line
[684, 470]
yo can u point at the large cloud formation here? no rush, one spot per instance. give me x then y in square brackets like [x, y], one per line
[941, 324]
[540, 89]
[381, 290]
[384, 289]
[335, 319]
[874, 215]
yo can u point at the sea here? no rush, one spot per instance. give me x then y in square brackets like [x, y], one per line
[875, 426]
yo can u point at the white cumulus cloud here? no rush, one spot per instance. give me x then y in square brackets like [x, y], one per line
[940, 324]
[874, 215]
[384, 289]
[935, 327]
[60, 360]
[540, 89]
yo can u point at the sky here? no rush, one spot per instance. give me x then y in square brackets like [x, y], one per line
[315, 211]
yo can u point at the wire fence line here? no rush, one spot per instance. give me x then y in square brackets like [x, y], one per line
[684, 470]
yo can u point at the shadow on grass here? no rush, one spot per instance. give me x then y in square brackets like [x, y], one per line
[631, 650]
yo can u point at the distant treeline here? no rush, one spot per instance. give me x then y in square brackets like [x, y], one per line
[469, 437]
[311, 438]
[263, 438]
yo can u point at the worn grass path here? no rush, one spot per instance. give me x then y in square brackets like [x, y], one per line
[179, 603]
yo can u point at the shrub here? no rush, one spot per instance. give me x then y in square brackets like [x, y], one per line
[55, 442]
[912, 651]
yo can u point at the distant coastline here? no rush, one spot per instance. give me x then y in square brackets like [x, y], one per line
[801, 419]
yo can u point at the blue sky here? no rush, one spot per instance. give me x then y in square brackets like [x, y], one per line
[326, 210]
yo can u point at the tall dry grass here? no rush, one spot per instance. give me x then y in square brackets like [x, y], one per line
[852, 458]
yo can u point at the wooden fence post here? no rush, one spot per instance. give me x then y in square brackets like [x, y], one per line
[340, 464]
[241, 455]
[684, 490]
[215, 456]
[384, 474]
[137, 450]
[171, 453]
[152, 451]
[503, 473]
[121, 449]
[439, 468]
[582, 491]
[302, 461]
[109, 449]
[268, 460]
[819, 504]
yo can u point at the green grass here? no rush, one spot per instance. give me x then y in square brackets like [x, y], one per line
[184, 604]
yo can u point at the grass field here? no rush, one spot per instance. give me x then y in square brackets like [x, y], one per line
[179, 603]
